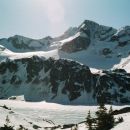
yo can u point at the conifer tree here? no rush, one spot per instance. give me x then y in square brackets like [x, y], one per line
[89, 121]
[105, 120]
[6, 126]
[111, 119]
[101, 117]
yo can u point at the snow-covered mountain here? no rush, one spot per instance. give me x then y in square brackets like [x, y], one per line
[22, 44]
[91, 62]
[62, 81]
[95, 45]
[19, 43]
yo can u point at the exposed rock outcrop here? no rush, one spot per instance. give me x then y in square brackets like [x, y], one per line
[62, 81]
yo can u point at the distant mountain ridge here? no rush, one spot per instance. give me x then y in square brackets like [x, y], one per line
[88, 31]
[91, 61]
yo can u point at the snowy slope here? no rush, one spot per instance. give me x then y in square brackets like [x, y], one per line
[94, 57]
[95, 45]
[44, 114]
[41, 114]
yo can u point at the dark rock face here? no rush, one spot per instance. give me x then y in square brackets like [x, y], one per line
[62, 77]
[113, 86]
[23, 44]
[19, 42]
[122, 36]
[11, 66]
[96, 31]
[77, 44]
[106, 51]
[88, 30]
[73, 74]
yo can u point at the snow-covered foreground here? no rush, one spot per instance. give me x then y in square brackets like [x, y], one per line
[36, 112]
[44, 114]
[124, 125]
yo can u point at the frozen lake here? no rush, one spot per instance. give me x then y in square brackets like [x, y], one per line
[38, 112]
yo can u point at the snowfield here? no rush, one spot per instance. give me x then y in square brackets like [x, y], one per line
[42, 114]
[59, 114]
[124, 125]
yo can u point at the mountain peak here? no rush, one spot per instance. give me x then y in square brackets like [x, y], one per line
[90, 22]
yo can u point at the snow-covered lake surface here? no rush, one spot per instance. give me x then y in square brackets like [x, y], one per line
[39, 112]
[59, 114]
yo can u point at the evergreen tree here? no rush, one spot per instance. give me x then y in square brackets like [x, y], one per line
[7, 120]
[111, 120]
[105, 120]
[6, 126]
[110, 110]
[89, 121]
[101, 117]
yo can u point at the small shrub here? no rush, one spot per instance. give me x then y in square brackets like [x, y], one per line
[5, 107]
[120, 119]
[6, 126]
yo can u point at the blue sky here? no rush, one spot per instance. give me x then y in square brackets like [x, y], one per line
[39, 18]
